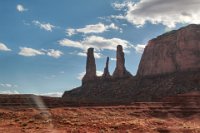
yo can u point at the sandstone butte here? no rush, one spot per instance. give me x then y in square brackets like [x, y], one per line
[175, 51]
[170, 65]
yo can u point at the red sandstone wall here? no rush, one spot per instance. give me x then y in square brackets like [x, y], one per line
[174, 51]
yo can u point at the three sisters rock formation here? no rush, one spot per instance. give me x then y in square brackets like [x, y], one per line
[120, 70]
[170, 65]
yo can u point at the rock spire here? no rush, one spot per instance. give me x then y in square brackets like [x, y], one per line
[106, 73]
[90, 66]
[120, 70]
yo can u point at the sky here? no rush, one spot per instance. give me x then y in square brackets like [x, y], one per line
[43, 43]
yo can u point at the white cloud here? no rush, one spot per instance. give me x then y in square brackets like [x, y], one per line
[28, 52]
[21, 8]
[70, 31]
[70, 43]
[119, 6]
[24, 51]
[166, 12]
[51, 94]
[9, 92]
[97, 42]
[96, 54]
[3, 47]
[99, 73]
[45, 26]
[54, 53]
[139, 48]
[113, 59]
[80, 75]
[8, 85]
[95, 28]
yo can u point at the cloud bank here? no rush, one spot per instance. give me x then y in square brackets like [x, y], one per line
[97, 42]
[166, 12]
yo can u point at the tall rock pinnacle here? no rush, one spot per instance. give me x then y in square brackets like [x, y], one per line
[106, 73]
[120, 70]
[90, 66]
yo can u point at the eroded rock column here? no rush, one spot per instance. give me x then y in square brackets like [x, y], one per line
[90, 66]
[120, 70]
[106, 73]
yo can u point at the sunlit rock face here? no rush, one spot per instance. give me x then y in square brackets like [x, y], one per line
[90, 66]
[175, 51]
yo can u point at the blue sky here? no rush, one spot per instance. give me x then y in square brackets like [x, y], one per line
[43, 42]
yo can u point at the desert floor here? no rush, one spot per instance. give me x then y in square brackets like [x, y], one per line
[122, 119]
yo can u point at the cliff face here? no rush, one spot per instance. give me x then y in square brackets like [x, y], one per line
[175, 51]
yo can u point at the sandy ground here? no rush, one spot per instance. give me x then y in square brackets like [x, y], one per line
[116, 119]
